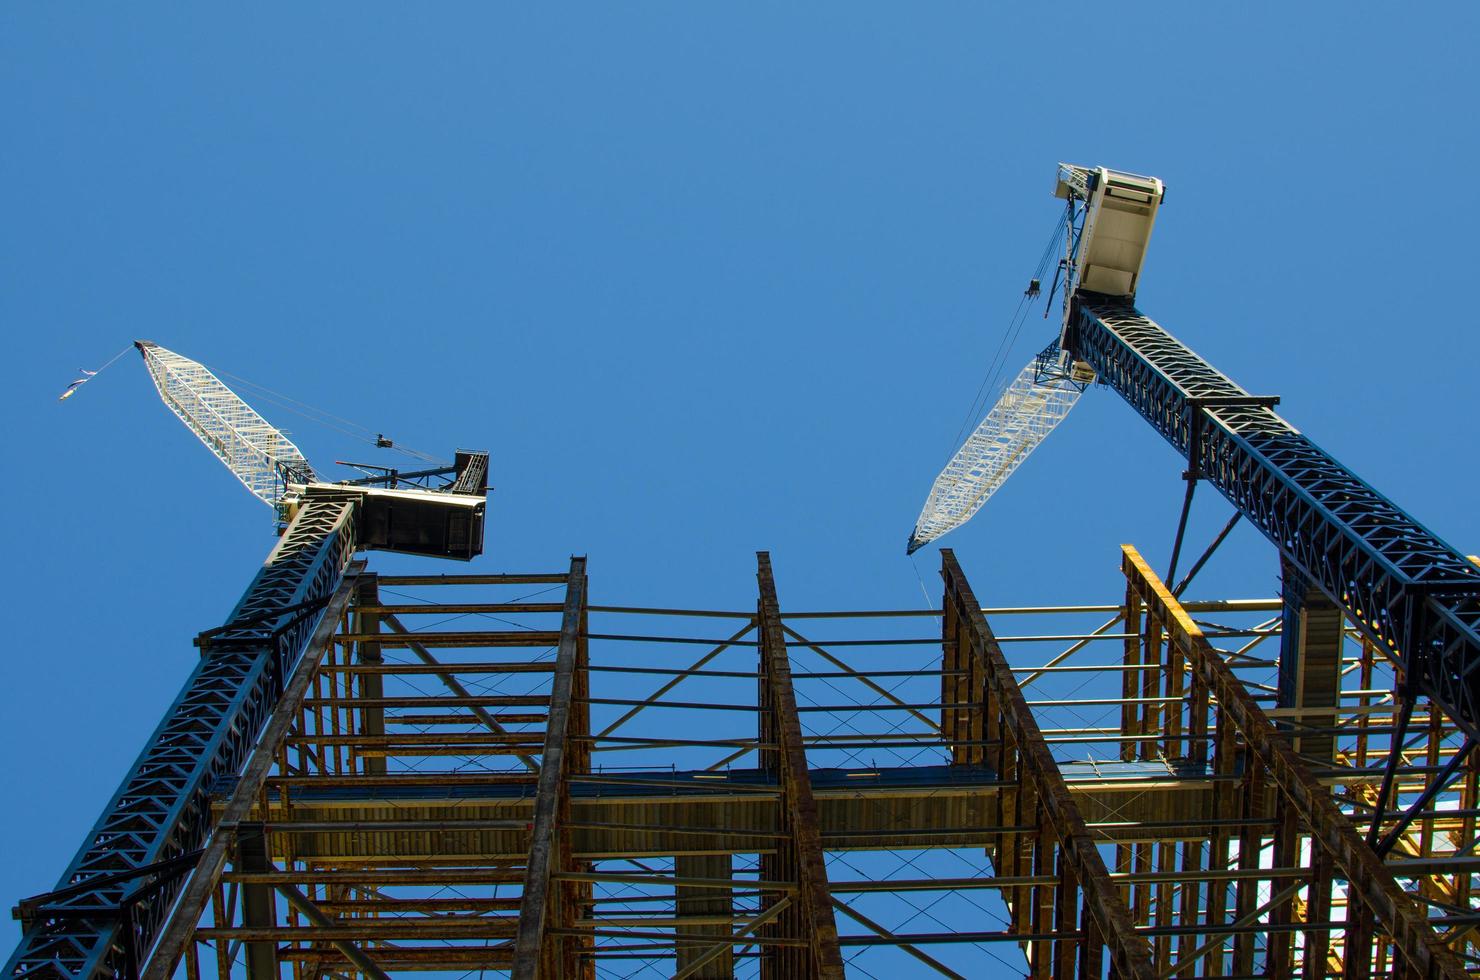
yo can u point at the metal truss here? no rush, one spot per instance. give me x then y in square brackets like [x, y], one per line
[488, 772]
[114, 898]
[1415, 597]
[1028, 410]
[261, 457]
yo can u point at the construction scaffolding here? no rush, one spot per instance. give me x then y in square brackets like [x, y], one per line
[490, 773]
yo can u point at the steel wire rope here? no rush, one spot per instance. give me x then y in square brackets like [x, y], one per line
[991, 378]
[323, 416]
[920, 911]
[954, 852]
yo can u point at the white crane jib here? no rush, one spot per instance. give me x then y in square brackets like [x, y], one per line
[264, 459]
[393, 512]
[1109, 216]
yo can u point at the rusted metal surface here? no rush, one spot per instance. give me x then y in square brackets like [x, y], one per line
[1302, 798]
[1042, 798]
[382, 796]
[535, 953]
[781, 724]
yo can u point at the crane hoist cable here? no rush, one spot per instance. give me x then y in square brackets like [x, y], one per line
[328, 419]
[1123, 207]
[992, 377]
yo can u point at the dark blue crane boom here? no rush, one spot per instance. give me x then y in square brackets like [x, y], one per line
[105, 915]
[1414, 596]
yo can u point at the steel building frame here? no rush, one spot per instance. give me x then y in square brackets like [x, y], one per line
[432, 795]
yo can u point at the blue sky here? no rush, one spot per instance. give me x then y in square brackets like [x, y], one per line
[704, 280]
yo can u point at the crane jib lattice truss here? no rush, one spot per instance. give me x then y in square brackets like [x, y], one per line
[1029, 409]
[263, 458]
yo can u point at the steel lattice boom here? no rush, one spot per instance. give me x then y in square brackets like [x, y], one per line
[1022, 418]
[103, 919]
[108, 910]
[258, 454]
[1416, 597]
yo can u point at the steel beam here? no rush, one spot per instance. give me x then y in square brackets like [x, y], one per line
[1371, 883]
[535, 953]
[1009, 719]
[704, 901]
[1311, 641]
[780, 724]
[370, 683]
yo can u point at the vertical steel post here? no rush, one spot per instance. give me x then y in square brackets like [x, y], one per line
[814, 918]
[537, 954]
[1130, 955]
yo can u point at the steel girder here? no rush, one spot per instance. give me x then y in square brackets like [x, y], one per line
[1416, 597]
[544, 903]
[1085, 889]
[161, 812]
[1372, 890]
[801, 856]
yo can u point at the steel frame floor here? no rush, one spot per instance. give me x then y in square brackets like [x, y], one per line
[487, 774]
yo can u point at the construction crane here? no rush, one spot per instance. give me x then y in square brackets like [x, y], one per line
[104, 916]
[1108, 218]
[1415, 597]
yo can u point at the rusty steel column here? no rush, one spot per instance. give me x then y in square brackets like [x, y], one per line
[370, 685]
[537, 954]
[1310, 663]
[1372, 891]
[811, 917]
[705, 903]
[1043, 797]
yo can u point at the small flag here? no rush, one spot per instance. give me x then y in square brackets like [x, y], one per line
[72, 388]
[88, 376]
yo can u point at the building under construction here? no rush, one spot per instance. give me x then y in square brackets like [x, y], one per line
[376, 775]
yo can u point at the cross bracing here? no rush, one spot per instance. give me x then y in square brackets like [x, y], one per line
[1061, 791]
[261, 457]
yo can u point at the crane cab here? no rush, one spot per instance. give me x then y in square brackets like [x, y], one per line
[1120, 209]
[437, 523]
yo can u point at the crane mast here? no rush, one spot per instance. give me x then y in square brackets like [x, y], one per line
[1416, 597]
[104, 916]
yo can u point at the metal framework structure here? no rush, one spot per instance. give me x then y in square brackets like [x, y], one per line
[118, 890]
[1030, 408]
[484, 773]
[1414, 596]
[258, 454]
